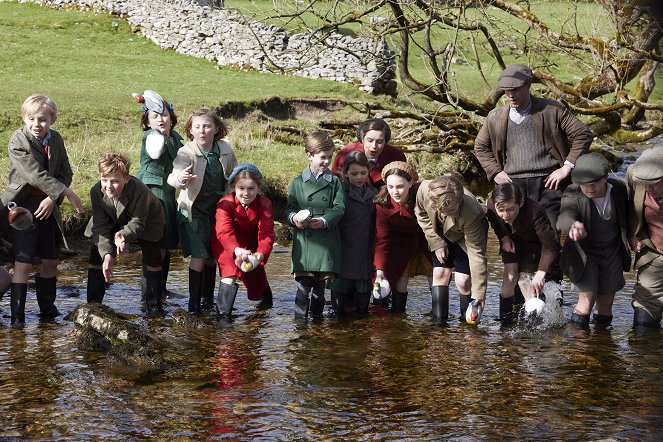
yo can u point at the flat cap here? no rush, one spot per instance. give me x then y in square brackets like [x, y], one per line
[648, 168]
[590, 168]
[514, 76]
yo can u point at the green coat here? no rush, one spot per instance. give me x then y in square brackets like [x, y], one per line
[316, 250]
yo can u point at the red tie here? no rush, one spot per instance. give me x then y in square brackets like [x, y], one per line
[45, 146]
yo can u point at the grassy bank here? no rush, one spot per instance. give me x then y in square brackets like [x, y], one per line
[90, 67]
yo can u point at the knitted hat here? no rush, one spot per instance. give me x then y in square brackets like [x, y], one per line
[402, 165]
[514, 76]
[590, 168]
[246, 167]
[648, 168]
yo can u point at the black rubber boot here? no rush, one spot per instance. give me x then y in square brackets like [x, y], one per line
[46, 290]
[506, 309]
[152, 294]
[267, 299]
[518, 298]
[302, 298]
[195, 291]
[362, 300]
[440, 301]
[602, 320]
[465, 301]
[318, 299]
[580, 321]
[209, 284]
[338, 302]
[96, 286]
[640, 317]
[19, 292]
[399, 301]
[225, 299]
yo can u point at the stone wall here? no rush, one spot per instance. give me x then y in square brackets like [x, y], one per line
[226, 37]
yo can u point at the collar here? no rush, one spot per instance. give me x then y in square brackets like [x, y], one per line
[326, 175]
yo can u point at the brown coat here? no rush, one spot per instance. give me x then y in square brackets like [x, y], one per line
[469, 230]
[637, 226]
[554, 122]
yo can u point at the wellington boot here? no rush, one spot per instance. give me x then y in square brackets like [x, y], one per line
[302, 298]
[318, 300]
[195, 291]
[96, 286]
[46, 291]
[465, 301]
[19, 292]
[225, 299]
[362, 300]
[602, 321]
[506, 309]
[267, 299]
[209, 284]
[399, 301]
[152, 295]
[440, 300]
[580, 321]
[641, 317]
[338, 302]
[518, 297]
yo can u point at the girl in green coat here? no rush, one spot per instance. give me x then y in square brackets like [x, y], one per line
[316, 204]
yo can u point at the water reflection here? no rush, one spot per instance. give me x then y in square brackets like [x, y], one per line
[267, 377]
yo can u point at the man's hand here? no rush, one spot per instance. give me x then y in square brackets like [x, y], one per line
[555, 179]
[502, 178]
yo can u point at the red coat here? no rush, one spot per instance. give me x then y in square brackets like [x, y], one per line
[251, 229]
[389, 154]
[398, 237]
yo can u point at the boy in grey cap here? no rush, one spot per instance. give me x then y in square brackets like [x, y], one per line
[645, 187]
[596, 252]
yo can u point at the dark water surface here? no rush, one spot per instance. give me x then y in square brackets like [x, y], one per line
[268, 377]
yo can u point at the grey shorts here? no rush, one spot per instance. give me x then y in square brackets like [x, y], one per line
[604, 274]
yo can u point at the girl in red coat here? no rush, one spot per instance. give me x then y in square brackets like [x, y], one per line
[401, 250]
[244, 239]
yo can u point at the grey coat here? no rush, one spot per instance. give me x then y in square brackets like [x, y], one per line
[27, 171]
[358, 233]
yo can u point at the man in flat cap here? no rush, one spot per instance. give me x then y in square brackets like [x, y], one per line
[532, 142]
[645, 186]
[596, 253]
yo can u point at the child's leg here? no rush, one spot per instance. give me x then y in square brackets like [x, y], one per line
[152, 278]
[440, 292]
[583, 308]
[302, 300]
[524, 280]
[399, 295]
[509, 282]
[96, 283]
[318, 299]
[603, 312]
[196, 268]
[464, 286]
[226, 297]
[46, 287]
[267, 300]
[19, 293]
[209, 284]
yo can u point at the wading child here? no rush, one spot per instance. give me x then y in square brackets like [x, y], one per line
[244, 236]
[124, 210]
[201, 171]
[316, 203]
[158, 151]
[528, 244]
[596, 251]
[357, 237]
[456, 230]
[400, 246]
[39, 178]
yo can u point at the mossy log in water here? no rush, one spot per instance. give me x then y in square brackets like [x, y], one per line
[102, 329]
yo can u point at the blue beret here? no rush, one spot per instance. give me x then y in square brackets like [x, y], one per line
[246, 167]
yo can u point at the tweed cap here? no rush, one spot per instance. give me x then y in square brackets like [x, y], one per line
[402, 165]
[648, 168]
[514, 76]
[246, 167]
[590, 168]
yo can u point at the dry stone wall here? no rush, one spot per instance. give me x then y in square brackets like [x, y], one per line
[226, 37]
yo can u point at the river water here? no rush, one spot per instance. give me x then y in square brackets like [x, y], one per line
[266, 376]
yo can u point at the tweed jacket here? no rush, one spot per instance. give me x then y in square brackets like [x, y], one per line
[469, 229]
[27, 171]
[190, 154]
[637, 226]
[138, 215]
[389, 154]
[553, 121]
[251, 228]
[575, 206]
[531, 232]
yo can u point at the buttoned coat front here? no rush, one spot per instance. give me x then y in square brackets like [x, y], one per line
[27, 172]
[251, 228]
[389, 154]
[138, 215]
[316, 250]
[553, 121]
[358, 232]
[468, 229]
